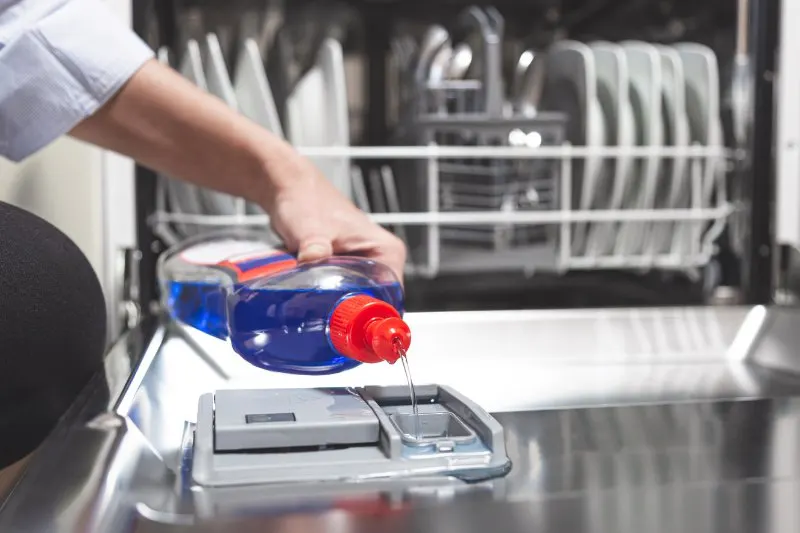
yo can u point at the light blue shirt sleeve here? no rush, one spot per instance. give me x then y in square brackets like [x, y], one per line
[60, 61]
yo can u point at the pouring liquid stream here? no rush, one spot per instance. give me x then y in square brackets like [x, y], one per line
[412, 393]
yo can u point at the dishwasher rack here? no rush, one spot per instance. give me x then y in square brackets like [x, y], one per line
[696, 226]
[563, 171]
[719, 233]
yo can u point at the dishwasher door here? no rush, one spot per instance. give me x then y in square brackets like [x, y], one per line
[679, 421]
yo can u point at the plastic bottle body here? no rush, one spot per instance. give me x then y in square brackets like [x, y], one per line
[275, 313]
[198, 304]
[193, 290]
[287, 330]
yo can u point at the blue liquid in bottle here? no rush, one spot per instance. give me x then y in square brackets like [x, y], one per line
[287, 330]
[275, 312]
[200, 305]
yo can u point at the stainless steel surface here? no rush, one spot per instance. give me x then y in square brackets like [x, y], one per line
[672, 468]
[488, 25]
[616, 420]
[528, 82]
[434, 40]
[462, 59]
[520, 70]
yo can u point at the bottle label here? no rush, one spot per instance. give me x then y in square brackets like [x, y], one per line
[211, 253]
[241, 259]
[255, 264]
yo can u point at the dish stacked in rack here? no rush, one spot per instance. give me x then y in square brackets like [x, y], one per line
[655, 100]
[316, 114]
[619, 149]
[644, 122]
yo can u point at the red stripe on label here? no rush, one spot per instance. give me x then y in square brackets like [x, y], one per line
[268, 269]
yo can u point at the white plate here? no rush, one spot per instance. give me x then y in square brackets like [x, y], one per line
[217, 79]
[571, 88]
[440, 66]
[378, 197]
[331, 59]
[254, 96]
[360, 196]
[252, 89]
[185, 197]
[163, 56]
[644, 68]
[219, 84]
[317, 112]
[460, 62]
[392, 199]
[192, 65]
[613, 95]
[305, 110]
[673, 190]
[435, 37]
[306, 100]
[702, 88]
[701, 73]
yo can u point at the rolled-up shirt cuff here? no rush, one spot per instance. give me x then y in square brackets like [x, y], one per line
[61, 70]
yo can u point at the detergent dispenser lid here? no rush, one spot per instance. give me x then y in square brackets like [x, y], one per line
[291, 419]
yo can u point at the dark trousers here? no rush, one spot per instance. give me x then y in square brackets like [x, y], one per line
[52, 329]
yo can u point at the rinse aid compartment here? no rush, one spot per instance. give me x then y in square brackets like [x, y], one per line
[262, 436]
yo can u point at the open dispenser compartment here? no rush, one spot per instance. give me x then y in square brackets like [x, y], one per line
[262, 436]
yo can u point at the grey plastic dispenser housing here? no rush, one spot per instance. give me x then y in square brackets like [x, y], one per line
[253, 436]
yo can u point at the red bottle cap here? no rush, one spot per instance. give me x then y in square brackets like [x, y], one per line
[368, 330]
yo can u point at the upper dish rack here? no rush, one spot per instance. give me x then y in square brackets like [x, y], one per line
[600, 156]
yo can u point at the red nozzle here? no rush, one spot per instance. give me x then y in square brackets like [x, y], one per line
[368, 330]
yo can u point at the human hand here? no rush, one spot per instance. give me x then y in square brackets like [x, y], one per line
[316, 220]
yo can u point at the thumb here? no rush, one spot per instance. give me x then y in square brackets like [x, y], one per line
[313, 249]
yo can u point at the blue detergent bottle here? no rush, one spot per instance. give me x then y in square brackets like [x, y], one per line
[316, 318]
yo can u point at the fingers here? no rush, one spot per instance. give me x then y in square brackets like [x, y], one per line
[392, 252]
[303, 230]
[314, 249]
[397, 258]
[315, 230]
[303, 236]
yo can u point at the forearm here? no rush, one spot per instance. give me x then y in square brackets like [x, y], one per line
[171, 126]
